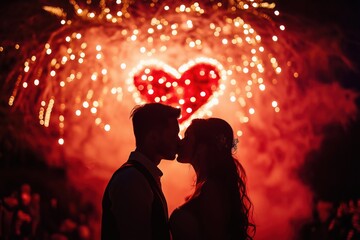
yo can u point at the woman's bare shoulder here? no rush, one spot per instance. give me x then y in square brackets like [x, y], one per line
[184, 225]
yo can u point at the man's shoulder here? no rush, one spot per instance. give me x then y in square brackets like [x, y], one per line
[129, 176]
[128, 185]
[127, 173]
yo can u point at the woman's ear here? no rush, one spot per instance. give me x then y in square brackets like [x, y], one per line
[201, 151]
[199, 155]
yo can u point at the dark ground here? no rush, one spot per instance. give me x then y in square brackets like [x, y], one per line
[332, 171]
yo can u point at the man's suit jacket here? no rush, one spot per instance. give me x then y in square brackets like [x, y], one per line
[134, 206]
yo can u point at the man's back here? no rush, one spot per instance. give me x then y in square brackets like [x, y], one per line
[133, 205]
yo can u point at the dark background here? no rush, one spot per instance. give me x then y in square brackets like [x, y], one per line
[333, 171]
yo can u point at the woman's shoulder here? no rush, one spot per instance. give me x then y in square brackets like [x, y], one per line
[181, 213]
[214, 196]
[183, 224]
[213, 187]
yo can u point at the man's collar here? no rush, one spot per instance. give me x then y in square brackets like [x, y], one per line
[146, 162]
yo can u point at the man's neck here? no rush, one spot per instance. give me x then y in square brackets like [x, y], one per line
[149, 154]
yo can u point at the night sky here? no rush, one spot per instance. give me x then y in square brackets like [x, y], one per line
[336, 164]
[333, 170]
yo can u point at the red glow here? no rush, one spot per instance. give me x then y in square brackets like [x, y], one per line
[273, 97]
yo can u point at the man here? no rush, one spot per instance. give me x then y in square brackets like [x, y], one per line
[133, 204]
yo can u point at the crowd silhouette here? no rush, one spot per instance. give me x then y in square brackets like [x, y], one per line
[26, 215]
[333, 221]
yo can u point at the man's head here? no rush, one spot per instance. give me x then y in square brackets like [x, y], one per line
[156, 128]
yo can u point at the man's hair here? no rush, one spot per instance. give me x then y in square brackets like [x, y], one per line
[151, 116]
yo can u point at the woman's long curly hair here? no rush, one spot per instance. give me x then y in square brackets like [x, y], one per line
[220, 165]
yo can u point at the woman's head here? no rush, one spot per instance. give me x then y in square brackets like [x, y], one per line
[207, 144]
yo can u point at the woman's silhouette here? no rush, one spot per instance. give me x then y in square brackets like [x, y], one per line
[219, 208]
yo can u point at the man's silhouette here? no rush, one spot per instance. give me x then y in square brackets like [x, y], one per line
[133, 204]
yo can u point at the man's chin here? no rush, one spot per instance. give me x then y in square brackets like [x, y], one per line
[170, 157]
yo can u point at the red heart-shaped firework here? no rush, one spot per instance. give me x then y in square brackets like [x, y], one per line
[189, 89]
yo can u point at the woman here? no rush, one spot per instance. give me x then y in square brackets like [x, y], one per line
[219, 208]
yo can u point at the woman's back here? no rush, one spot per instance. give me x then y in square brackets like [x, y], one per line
[207, 215]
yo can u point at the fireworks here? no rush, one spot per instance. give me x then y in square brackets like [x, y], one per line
[91, 61]
[231, 59]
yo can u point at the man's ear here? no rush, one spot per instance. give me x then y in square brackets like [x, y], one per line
[153, 136]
